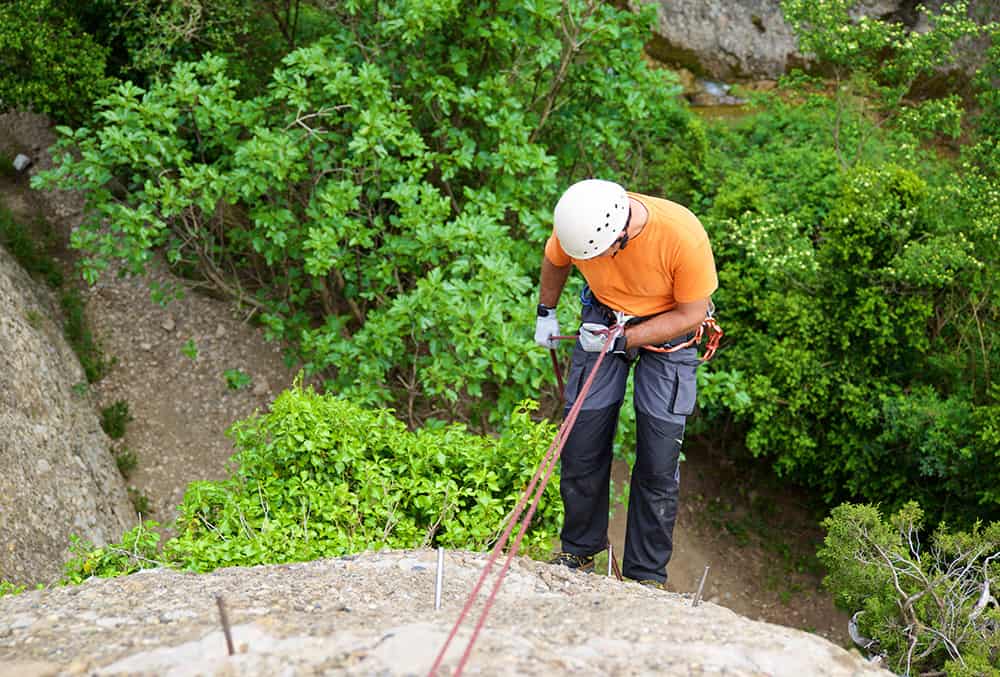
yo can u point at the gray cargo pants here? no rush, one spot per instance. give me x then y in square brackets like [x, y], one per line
[664, 396]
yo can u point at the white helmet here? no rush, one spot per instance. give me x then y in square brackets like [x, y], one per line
[590, 216]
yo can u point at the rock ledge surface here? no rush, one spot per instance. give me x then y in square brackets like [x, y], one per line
[374, 614]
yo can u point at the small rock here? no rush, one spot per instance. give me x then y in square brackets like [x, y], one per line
[220, 331]
[168, 324]
[146, 346]
[22, 621]
[21, 162]
[261, 387]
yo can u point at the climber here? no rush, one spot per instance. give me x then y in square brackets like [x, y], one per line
[650, 274]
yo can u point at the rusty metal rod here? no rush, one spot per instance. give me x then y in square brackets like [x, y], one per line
[225, 624]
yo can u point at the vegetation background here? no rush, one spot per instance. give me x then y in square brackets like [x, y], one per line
[375, 180]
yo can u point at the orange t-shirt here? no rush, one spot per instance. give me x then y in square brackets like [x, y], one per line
[669, 262]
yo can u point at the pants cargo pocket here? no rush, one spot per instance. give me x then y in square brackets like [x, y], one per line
[685, 390]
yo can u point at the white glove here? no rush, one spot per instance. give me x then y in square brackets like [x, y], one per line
[594, 336]
[546, 325]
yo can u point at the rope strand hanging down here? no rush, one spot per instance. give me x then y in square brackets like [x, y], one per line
[547, 465]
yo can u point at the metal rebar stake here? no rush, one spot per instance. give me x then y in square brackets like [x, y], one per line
[701, 586]
[225, 624]
[438, 583]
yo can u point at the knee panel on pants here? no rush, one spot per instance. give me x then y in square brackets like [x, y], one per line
[658, 448]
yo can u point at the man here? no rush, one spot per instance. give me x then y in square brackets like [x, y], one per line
[648, 264]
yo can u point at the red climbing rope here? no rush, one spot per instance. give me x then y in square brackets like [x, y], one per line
[547, 466]
[536, 489]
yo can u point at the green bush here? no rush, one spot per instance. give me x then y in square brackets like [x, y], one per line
[318, 476]
[136, 551]
[8, 588]
[126, 460]
[876, 65]
[926, 602]
[864, 340]
[114, 418]
[237, 379]
[385, 199]
[47, 62]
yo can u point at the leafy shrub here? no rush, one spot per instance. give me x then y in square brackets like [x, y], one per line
[876, 65]
[927, 605]
[126, 461]
[387, 208]
[319, 476]
[860, 386]
[140, 502]
[47, 62]
[236, 379]
[8, 588]
[137, 550]
[114, 418]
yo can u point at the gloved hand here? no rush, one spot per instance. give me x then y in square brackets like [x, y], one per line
[594, 336]
[546, 325]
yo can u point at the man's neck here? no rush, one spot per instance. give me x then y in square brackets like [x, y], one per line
[639, 217]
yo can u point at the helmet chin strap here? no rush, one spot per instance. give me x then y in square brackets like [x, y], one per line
[623, 238]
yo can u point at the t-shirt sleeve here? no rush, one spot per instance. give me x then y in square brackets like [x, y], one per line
[695, 277]
[555, 253]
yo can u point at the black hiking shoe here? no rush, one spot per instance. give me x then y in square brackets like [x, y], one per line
[566, 559]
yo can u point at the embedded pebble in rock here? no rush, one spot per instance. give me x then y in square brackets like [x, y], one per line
[374, 614]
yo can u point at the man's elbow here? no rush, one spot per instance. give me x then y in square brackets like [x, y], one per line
[694, 313]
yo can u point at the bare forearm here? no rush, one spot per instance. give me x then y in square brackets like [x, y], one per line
[553, 279]
[684, 319]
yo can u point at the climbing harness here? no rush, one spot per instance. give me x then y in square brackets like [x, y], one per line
[536, 487]
[709, 326]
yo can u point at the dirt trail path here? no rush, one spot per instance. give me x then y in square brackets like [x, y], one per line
[181, 406]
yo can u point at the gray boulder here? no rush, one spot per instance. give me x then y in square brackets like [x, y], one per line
[57, 475]
[726, 40]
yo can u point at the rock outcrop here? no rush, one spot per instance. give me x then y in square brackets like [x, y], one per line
[750, 39]
[374, 614]
[57, 475]
[726, 40]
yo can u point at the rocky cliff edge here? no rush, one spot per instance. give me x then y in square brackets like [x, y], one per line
[374, 614]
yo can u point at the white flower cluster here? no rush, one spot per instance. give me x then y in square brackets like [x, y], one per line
[776, 243]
